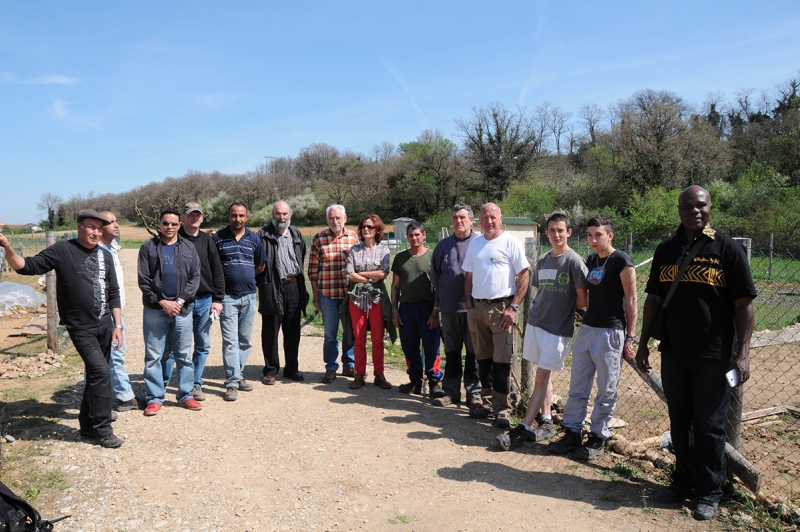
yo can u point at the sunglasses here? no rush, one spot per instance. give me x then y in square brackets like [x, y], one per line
[367, 227]
[170, 224]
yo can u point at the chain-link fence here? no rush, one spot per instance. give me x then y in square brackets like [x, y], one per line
[767, 409]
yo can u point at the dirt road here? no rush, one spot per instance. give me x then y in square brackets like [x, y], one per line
[310, 456]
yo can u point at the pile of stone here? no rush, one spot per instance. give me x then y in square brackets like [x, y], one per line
[22, 366]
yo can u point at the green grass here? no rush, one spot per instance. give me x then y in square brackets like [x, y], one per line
[646, 508]
[400, 519]
[131, 244]
[621, 473]
[742, 503]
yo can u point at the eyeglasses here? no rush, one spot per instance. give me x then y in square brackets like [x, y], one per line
[170, 224]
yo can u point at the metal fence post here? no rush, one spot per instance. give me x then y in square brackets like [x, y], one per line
[52, 314]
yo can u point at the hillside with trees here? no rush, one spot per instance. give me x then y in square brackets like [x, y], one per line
[629, 160]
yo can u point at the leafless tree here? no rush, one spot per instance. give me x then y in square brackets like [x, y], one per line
[592, 115]
[500, 146]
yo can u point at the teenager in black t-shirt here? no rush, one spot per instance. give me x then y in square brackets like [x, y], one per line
[606, 335]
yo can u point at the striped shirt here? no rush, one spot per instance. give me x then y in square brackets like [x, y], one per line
[363, 259]
[327, 261]
[239, 259]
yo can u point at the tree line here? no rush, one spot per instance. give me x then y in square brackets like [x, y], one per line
[629, 160]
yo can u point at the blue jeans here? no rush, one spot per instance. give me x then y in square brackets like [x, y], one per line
[161, 333]
[329, 308]
[236, 323]
[201, 319]
[119, 376]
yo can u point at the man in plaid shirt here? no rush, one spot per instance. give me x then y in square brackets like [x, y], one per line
[326, 263]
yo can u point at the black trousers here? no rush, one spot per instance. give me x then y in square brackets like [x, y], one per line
[697, 398]
[94, 347]
[289, 324]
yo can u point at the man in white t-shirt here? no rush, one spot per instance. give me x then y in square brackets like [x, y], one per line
[497, 276]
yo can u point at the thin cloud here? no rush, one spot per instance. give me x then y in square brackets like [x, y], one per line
[403, 84]
[63, 114]
[52, 79]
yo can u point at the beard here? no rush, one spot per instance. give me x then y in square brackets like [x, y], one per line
[281, 225]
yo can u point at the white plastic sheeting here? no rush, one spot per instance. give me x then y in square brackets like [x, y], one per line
[19, 295]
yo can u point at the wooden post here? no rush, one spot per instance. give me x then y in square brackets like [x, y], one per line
[771, 250]
[52, 313]
[526, 367]
[733, 423]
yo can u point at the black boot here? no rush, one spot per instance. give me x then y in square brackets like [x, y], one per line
[415, 386]
[435, 386]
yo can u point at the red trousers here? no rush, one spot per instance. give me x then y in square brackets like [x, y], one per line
[360, 320]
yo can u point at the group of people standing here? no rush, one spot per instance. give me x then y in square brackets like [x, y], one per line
[466, 293]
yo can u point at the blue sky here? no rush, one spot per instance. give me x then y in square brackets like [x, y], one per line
[106, 96]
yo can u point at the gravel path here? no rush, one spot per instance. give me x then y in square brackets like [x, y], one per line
[310, 456]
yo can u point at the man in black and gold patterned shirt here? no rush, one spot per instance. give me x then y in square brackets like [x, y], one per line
[707, 333]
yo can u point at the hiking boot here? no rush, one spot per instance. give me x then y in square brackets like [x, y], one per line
[245, 386]
[152, 409]
[591, 449]
[473, 401]
[569, 442]
[478, 411]
[435, 386]
[444, 400]
[544, 431]
[329, 376]
[198, 393]
[125, 406]
[415, 386]
[111, 441]
[358, 382]
[381, 381]
[513, 438]
[705, 511]
[347, 371]
[502, 420]
[296, 377]
[231, 394]
[191, 404]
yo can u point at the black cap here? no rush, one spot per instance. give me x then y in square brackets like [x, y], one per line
[89, 213]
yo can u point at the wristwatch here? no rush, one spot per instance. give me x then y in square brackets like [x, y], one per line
[514, 306]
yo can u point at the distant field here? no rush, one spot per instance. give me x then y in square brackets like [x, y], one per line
[140, 234]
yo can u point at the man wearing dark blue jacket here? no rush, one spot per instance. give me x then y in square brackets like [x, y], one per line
[169, 275]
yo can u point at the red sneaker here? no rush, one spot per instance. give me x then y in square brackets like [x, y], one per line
[152, 409]
[191, 403]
